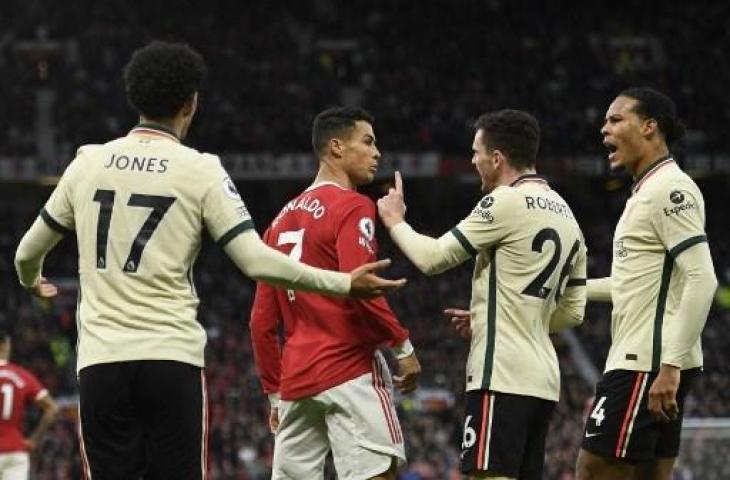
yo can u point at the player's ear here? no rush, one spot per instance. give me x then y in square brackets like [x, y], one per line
[649, 127]
[336, 147]
[498, 158]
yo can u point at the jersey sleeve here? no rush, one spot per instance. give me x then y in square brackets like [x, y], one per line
[356, 244]
[58, 212]
[488, 223]
[264, 323]
[33, 388]
[571, 305]
[224, 212]
[678, 217]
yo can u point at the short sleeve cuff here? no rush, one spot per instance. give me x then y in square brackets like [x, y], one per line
[685, 244]
[234, 232]
[53, 224]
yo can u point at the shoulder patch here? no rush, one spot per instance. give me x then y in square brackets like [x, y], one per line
[486, 202]
[367, 228]
[229, 188]
[482, 209]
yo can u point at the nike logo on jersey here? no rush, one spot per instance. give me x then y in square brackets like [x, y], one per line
[589, 435]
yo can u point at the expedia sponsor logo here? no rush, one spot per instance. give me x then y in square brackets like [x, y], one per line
[482, 209]
[676, 197]
[679, 208]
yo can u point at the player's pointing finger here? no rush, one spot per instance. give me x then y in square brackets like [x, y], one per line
[398, 183]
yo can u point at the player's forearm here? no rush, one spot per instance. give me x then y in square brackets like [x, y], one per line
[50, 413]
[683, 329]
[430, 255]
[566, 316]
[265, 264]
[599, 289]
[33, 247]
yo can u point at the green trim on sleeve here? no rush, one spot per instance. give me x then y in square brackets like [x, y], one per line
[464, 242]
[661, 304]
[685, 244]
[491, 320]
[52, 223]
[234, 232]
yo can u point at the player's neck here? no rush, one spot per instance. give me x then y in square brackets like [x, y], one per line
[510, 176]
[174, 125]
[328, 174]
[647, 160]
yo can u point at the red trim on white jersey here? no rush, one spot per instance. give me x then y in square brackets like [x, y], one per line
[152, 131]
[204, 436]
[651, 172]
[85, 467]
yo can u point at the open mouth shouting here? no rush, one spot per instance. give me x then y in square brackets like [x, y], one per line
[612, 150]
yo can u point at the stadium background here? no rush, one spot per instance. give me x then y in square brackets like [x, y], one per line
[425, 70]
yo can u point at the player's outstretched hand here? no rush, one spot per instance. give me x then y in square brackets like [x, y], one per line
[663, 394]
[365, 284]
[408, 372]
[460, 320]
[392, 207]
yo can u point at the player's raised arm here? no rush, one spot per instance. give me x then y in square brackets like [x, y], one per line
[430, 255]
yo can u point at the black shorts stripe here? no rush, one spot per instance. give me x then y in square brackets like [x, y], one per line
[234, 232]
[52, 223]
[464, 242]
[576, 282]
[685, 244]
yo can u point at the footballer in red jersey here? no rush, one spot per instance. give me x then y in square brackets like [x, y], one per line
[18, 389]
[329, 384]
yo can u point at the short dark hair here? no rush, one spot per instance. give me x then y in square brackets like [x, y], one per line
[160, 77]
[514, 132]
[651, 103]
[333, 122]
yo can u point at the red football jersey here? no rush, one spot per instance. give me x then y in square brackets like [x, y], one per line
[18, 389]
[328, 340]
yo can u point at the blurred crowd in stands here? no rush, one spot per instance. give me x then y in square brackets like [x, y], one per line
[423, 69]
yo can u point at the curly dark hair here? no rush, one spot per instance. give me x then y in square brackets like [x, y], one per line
[161, 76]
[651, 103]
[334, 122]
[514, 132]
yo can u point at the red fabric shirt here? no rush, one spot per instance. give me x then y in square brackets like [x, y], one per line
[18, 389]
[328, 340]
